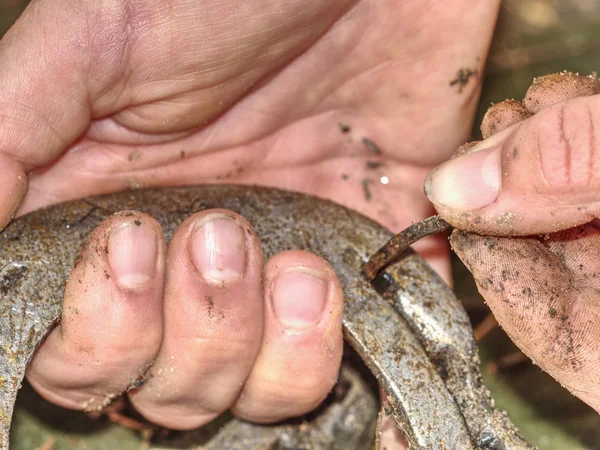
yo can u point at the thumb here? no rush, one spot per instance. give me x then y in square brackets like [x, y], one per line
[46, 89]
[538, 176]
[13, 185]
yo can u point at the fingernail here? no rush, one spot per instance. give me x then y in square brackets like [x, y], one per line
[218, 249]
[299, 296]
[132, 253]
[468, 182]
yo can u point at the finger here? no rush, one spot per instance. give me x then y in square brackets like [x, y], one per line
[503, 115]
[111, 325]
[538, 176]
[545, 91]
[301, 351]
[559, 87]
[391, 436]
[213, 322]
[13, 186]
[544, 293]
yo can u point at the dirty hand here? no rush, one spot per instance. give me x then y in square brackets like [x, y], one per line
[296, 94]
[536, 175]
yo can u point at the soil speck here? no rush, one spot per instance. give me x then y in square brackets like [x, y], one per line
[134, 156]
[344, 128]
[365, 182]
[371, 146]
[462, 78]
[373, 165]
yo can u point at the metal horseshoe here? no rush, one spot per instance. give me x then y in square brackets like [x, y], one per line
[407, 325]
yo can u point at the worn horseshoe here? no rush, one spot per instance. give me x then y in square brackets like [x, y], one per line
[407, 325]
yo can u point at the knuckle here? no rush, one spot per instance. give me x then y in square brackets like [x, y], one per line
[305, 391]
[274, 397]
[566, 149]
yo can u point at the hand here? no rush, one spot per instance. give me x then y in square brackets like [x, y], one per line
[536, 175]
[148, 93]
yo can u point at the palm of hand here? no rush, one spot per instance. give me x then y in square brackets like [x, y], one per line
[253, 93]
[208, 104]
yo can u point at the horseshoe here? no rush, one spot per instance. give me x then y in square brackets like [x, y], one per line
[406, 325]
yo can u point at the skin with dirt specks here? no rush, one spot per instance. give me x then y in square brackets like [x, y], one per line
[412, 332]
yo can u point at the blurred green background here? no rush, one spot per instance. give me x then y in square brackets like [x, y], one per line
[533, 37]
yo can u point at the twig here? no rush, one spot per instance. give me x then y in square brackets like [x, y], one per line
[486, 326]
[48, 443]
